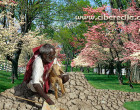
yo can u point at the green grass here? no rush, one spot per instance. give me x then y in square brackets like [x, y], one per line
[5, 82]
[111, 82]
[132, 105]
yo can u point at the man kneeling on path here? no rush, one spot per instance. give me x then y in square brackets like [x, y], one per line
[36, 75]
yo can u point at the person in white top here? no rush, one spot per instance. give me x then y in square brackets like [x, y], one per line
[46, 56]
[37, 73]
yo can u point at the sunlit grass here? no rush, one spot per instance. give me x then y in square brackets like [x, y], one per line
[5, 81]
[111, 82]
[132, 105]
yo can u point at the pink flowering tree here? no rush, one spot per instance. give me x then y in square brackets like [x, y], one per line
[130, 30]
[109, 42]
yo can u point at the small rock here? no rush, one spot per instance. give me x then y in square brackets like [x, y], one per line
[8, 105]
[1, 105]
[72, 95]
[98, 107]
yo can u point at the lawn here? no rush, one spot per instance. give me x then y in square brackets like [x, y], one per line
[111, 82]
[132, 105]
[5, 82]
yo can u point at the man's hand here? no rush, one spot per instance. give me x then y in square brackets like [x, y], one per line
[40, 91]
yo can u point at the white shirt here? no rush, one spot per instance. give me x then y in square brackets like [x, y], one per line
[37, 73]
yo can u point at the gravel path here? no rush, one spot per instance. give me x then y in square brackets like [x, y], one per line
[80, 96]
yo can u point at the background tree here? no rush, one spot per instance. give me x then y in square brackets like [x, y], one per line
[10, 37]
[105, 35]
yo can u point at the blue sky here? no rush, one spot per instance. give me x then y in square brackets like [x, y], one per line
[93, 3]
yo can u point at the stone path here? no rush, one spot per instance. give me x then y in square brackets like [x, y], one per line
[80, 96]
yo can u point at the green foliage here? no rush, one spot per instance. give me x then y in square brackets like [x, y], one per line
[64, 35]
[72, 8]
[115, 5]
[30, 10]
[98, 2]
[46, 17]
[33, 27]
[64, 62]
[123, 4]
[79, 30]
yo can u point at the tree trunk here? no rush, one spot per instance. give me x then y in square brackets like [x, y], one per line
[88, 69]
[15, 61]
[98, 69]
[105, 70]
[136, 74]
[66, 69]
[101, 69]
[127, 71]
[76, 68]
[81, 69]
[15, 65]
[4, 18]
[71, 68]
[111, 68]
[14, 70]
[93, 70]
[119, 71]
[71, 57]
